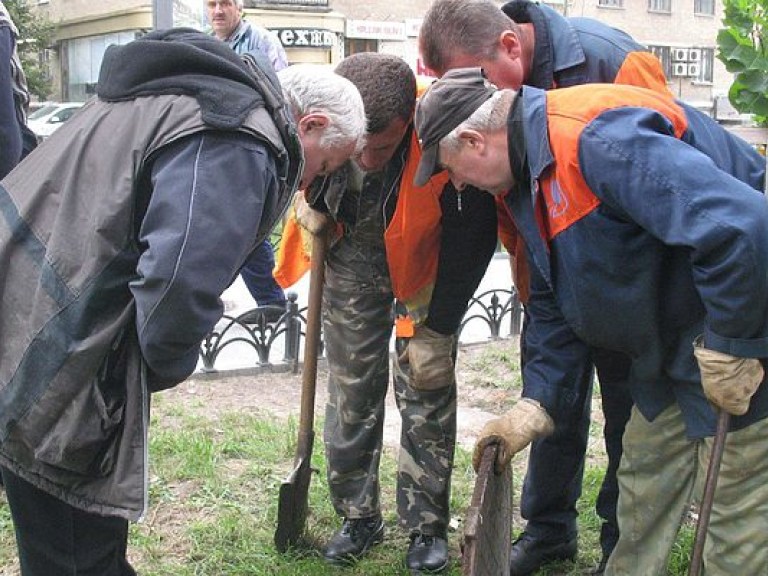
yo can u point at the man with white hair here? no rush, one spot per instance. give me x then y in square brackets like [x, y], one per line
[636, 206]
[116, 252]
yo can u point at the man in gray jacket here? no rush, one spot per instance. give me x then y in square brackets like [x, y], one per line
[115, 253]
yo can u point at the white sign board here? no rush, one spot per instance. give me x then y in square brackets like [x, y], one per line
[375, 30]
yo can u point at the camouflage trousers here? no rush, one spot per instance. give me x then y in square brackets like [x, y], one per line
[662, 471]
[357, 323]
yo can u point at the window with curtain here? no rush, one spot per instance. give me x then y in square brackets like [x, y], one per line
[660, 5]
[706, 7]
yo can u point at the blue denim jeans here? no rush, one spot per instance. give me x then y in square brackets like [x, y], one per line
[257, 275]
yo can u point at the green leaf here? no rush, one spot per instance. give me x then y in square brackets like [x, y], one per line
[743, 48]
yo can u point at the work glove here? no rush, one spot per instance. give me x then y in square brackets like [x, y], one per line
[729, 382]
[430, 356]
[313, 221]
[513, 431]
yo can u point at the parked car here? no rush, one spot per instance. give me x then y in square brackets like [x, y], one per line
[44, 121]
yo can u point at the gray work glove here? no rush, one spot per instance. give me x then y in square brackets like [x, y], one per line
[729, 382]
[430, 355]
[524, 423]
[313, 221]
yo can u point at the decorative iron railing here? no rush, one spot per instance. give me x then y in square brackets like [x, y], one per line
[259, 335]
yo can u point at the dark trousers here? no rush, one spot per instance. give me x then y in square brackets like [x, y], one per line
[56, 539]
[257, 275]
[556, 464]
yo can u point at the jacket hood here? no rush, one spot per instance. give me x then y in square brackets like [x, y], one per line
[182, 61]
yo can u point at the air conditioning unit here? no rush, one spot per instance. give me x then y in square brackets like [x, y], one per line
[680, 69]
[694, 69]
[679, 54]
[694, 55]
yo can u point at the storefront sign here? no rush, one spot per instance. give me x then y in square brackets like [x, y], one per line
[259, 3]
[375, 30]
[305, 37]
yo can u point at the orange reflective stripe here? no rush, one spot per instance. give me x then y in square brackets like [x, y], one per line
[566, 195]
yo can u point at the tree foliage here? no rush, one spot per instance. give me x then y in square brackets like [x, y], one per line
[35, 35]
[743, 48]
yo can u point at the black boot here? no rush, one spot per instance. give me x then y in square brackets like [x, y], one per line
[426, 554]
[529, 554]
[354, 539]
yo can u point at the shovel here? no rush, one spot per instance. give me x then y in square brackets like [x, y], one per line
[294, 491]
[713, 469]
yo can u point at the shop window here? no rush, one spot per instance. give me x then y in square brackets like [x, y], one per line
[355, 45]
[84, 56]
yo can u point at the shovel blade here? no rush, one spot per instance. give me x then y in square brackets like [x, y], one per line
[292, 506]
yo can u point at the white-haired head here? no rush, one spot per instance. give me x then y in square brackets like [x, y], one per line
[314, 88]
[329, 113]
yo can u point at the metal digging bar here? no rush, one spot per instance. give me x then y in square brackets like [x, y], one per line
[713, 470]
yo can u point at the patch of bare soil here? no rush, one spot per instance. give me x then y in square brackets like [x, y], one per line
[279, 393]
[488, 377]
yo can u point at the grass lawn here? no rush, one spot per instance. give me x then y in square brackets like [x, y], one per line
[215, 477]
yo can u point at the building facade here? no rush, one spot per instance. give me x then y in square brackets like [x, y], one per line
[681, 32]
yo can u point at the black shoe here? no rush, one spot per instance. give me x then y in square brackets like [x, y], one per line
[529, 554]
[354, 539]
[426, 554]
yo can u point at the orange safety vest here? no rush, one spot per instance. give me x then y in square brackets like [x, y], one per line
[638, 69]
[412, 240]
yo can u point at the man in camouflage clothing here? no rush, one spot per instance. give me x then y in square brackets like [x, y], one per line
[358, 315]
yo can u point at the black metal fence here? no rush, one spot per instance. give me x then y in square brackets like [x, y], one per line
[260, 335]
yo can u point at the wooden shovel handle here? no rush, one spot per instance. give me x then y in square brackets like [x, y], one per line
[312, 338]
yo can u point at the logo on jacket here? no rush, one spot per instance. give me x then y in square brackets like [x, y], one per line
[559, 201]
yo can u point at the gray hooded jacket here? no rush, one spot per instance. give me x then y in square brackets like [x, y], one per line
[73, 383]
